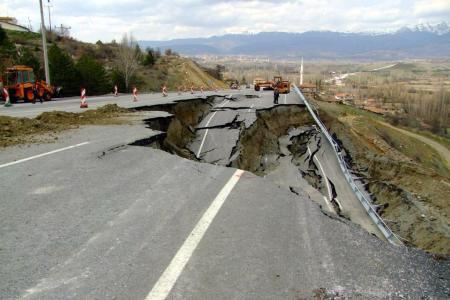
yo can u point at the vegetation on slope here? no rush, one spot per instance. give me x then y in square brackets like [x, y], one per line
[74, 64]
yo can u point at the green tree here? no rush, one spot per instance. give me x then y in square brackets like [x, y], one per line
[8, 53]
[27, 58]
[149, 59]
[93, 75]
[63, 72]
[219, 72]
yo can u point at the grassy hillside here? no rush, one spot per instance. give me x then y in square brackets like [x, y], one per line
[177, 71]
[172, 69]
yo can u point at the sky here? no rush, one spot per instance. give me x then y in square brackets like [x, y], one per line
[105, 20]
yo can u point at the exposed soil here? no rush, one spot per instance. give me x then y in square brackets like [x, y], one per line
[178, 130]
[407, 178]
[412, 195]
[258, 145]
[15, 131]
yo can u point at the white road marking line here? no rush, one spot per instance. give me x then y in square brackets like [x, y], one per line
[328, 204]
[338, 203]
[330, 197]
[165, 283]
[206, 131]
[43, 154]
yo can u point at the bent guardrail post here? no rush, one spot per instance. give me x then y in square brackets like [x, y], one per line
[360, 194]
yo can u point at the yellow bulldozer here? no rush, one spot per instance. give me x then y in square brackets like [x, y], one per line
[284, 86]
[20, 83]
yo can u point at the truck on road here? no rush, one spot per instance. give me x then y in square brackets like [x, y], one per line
[284, 86]
[22, 85]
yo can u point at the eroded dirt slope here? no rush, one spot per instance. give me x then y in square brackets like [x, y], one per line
[408, 179]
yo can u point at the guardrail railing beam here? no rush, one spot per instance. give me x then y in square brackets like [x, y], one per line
[360, 195]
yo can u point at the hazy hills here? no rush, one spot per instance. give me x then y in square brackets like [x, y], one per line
[422, 41]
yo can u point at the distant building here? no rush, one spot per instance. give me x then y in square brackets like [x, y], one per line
[376, 110]
[11, 24]
[344, 97]
[371, 103]
[308, 88]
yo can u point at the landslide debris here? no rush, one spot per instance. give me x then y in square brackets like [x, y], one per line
[14, 131]
[258, 145]
[408, 180]
[178, 130]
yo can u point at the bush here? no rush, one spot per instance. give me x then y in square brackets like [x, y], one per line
[93, 75]
[8, 52]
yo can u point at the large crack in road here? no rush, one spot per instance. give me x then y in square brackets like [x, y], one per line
[279, 142]
[127, 210]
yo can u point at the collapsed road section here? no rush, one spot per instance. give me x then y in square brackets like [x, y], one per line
[279, 142]
[107, 219]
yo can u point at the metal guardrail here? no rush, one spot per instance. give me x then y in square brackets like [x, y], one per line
[360, 194]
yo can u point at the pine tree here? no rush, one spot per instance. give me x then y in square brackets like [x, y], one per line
[8, 53]
[149, 59]
[93, 75]
[63, 72]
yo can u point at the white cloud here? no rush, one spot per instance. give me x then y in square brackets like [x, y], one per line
[158, 20]
[425, 8]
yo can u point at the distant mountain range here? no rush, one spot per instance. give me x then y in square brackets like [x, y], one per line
[421, 41]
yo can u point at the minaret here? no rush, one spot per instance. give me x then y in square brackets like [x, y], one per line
[301, 72]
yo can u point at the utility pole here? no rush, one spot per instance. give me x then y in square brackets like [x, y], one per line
[44, 44]
[49, 17]
[301, 72]
[29, 24]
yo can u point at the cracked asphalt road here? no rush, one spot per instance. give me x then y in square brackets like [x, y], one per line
[105, 220]
[215, 140]
[124, 100]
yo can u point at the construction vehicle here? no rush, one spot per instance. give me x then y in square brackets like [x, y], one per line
[20, 82]
[232, 83]
[263, 84]
[284, 86]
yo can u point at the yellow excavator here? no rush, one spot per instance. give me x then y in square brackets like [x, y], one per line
[284, 86]
[20, 81]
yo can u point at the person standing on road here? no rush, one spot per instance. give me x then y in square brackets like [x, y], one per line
[164, 91]
[116, 90]
[36, 92]
[276, 95]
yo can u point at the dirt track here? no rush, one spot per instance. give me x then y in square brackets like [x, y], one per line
[442, 150]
